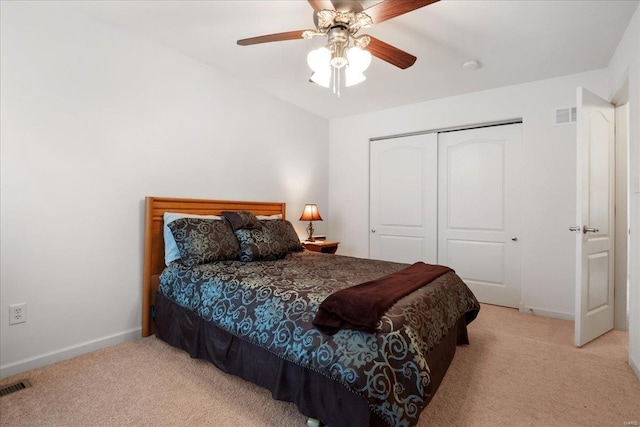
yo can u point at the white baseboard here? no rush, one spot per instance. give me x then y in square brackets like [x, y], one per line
[546, 313]
[635, 366]
[68, 352]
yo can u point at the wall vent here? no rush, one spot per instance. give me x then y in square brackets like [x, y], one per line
[564, 116]
[12, 388]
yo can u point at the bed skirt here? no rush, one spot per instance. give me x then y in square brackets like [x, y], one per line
[315, 395]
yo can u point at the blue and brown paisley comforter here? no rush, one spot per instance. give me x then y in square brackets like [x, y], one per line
[272, 304]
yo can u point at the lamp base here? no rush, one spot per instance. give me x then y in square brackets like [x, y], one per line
[310, 232]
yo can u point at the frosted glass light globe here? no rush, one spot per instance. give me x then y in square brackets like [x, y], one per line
[318, 59]
[359, 59]
[322, 78]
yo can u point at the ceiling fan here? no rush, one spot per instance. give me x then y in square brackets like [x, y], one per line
[339, 21]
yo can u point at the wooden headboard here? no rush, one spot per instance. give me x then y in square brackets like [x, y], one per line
[155, 207]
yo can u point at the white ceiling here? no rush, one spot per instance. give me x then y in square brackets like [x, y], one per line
[516, 41]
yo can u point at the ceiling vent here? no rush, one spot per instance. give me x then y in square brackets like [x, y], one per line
[564, 116]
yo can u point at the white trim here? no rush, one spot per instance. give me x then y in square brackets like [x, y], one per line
[449, 129]
[635, 366]
[546, 313]
[68, 352]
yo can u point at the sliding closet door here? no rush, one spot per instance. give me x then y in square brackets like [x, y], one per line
[479, 210]
[403, 199]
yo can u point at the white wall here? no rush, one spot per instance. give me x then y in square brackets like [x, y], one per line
[549, 175]
[94, 119]
[624, 70]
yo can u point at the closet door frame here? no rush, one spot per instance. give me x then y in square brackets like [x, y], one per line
[513, 257]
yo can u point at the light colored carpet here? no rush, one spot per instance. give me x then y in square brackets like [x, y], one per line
[519, 370]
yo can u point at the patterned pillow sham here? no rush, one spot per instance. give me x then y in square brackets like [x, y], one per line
[203, 240]
[171, 252]
[259, 244]
[241, 220]
[284, 232]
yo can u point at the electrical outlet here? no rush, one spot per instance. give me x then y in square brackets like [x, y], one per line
[17, 313]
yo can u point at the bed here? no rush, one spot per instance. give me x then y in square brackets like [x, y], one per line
[255, 320]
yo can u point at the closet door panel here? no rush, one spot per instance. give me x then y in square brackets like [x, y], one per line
[403, 199]
[479, 210]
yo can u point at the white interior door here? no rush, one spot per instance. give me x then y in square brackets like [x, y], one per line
[479, 210]
[403, 199]
[595, 217]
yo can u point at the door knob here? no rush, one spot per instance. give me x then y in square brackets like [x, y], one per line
[373, 230]
[586, 230]
[515, 239]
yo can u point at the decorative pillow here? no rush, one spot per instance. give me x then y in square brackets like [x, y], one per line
[203, 240]
[259, 244]
[284, 232]
[241, 220]
[171, 252]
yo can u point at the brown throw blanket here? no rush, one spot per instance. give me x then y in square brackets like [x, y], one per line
[361, 306]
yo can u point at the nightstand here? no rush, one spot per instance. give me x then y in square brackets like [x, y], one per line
[323, 246]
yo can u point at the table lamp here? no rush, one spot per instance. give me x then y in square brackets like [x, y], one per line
[310, 213]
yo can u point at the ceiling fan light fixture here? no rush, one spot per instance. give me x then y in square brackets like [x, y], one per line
[340, 20]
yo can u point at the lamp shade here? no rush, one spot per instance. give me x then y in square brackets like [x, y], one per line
[322, 78]
[310, 213]
[359, 60]
[319, 58]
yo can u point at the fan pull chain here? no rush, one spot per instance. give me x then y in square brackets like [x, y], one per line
[333, 76]
[336, 81]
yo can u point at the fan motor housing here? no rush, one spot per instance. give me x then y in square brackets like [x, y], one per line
[338, 34]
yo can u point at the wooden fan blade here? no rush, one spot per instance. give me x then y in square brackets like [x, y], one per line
[388, 9]
[319, 5]
[390, 54]
[289, 35]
